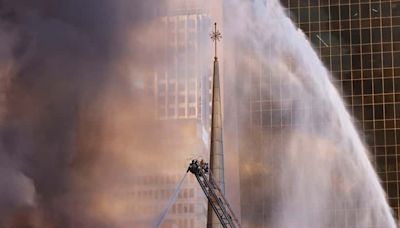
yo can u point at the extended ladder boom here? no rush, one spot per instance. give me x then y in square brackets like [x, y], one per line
[214, 195]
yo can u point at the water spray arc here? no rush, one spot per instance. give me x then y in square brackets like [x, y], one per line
[302, 159]
[169, 204]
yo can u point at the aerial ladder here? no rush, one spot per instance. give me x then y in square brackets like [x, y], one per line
[214, 195]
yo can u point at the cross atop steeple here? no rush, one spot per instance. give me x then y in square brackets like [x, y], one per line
[215, 36]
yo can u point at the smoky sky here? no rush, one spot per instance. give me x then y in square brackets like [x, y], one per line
[63, 57]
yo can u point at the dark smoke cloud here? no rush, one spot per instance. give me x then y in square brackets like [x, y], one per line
[65, 58]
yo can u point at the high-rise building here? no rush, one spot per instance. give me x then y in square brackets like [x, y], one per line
[180, 86]
[182, 95]
[359, 42]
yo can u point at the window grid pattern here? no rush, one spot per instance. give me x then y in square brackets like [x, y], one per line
[178, 90]
[152, 189]
[359, 42]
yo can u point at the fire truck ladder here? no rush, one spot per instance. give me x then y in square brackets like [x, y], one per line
[214, 195]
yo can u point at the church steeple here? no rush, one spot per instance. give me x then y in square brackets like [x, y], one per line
[216, 147]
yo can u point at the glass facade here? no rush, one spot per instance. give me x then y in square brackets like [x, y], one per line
[359, 42]
[179, 88]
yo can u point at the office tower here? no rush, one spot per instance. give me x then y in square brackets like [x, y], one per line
[359, 42]
[178, 87]
[182, 93]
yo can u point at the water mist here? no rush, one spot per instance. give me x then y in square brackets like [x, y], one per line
[306, 166]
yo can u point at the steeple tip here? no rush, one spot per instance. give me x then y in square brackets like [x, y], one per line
[215, 36]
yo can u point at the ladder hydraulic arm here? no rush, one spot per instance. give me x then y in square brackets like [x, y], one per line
[214, 195]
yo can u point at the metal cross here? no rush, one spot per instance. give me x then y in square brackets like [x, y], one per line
[215, 36]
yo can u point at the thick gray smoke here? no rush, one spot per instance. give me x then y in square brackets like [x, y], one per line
[78, 122]
[72, 65]
[306, 166]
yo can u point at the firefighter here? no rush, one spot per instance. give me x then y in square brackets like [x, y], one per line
[202, 163]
